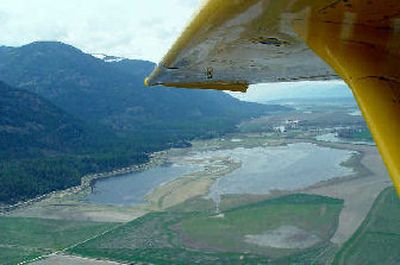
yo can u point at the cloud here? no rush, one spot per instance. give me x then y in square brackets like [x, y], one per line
[129, 28]
[3, 18]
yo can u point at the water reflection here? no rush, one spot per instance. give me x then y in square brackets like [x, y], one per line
[281, 168]
[131, 189]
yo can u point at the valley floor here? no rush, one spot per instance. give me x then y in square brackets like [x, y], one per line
[189, 194]
[358, 193]
[73, 260]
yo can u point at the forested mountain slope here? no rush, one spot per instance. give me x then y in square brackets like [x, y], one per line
[71, 113]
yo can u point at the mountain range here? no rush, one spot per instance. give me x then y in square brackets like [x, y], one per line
[31, 126]
[65, 113]
[111, 93]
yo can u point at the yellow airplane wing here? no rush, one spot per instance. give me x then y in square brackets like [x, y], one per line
[233, 43]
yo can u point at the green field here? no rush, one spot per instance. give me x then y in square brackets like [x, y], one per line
[316, 215]
[181, 237]
[14, 254]
[364, 135]
[377, 241]
[27, 238]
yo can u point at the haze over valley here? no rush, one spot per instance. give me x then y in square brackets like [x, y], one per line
[96, 168]
[107, 171]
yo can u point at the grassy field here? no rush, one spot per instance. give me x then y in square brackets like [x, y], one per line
[180, 237]
[14, 254]
[27, 238]
[315, 215]
[377, 241]
[364, 135]
[150, 239]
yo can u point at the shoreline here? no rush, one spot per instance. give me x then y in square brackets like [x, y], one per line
[191, 182]
[87, 182]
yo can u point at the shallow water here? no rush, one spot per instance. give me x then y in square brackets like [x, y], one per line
[131, 189]
[334, 138]
[290, 167]
[263, 169]
[329, 137]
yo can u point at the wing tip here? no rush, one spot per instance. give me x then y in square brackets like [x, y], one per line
[238, 86]
[230, 85]
[215, 85]
[146, 82]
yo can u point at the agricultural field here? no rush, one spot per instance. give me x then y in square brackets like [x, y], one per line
[208, 216]
[236, 236]
[14, 254]
[27, 238]
[377, 241]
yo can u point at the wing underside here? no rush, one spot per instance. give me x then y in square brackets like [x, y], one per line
[231, 44]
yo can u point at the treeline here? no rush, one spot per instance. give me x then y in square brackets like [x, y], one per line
[357, 134]
[68, 114]
[26, 178]
[37, 173]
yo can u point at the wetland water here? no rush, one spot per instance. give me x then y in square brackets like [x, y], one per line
[130, 189]
[263, 169]
[290, 167]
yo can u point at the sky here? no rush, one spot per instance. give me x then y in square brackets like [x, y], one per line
[306, 89]
[139, 29]
[135, 29]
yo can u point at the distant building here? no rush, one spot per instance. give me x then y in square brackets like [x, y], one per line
[280, 129]
[292, 124]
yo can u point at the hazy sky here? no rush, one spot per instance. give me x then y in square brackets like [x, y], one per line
[136, 29]
[306, 89]
[142, 29]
